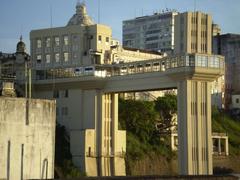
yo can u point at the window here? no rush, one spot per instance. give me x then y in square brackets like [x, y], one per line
[75, 55]
[48, 42]
[99, 38]
[107, 39]
[39, 43]
[201, 61]
[48, 58]
[55, 94]
[64, 111]
[57, 57]
[57, 41]
[65, 39]
[39, 58]
[237, 100]
[66, 56]
[75, 38]
[75, 47]
[66, 93]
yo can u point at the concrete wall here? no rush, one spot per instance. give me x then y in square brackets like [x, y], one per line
[27, 138]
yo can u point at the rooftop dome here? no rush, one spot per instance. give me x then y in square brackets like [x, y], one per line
[80, 17]
[21, 47]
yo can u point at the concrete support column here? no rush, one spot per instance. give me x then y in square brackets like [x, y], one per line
[194, 128]
[105, 150]
[112, 140]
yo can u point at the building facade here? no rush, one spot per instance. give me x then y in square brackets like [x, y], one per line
[15, 67]
[154, 32]
[193, 33]
[216, 30]
[228, 45]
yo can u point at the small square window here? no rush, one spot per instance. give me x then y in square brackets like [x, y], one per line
[48, 42]
[48, 58]
[237, 100]
[75, 55]
[66, 93]
[64, 111]
[107, 39]
[39, 58]
[66, 56]
[57, 41]
[55, 94]
[65, 39]
[39, 43]
[57, 59]
[100, 38]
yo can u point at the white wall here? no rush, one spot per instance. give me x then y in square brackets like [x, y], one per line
[36, 138]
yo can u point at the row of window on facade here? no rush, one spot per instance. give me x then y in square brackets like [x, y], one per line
[203, 47]
[194, 33]
[163, 36]
[106, 39]
[195, 20]
[56, 57]
[158, 45]
[57, 41]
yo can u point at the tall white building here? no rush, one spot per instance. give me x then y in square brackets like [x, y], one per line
[154, 32]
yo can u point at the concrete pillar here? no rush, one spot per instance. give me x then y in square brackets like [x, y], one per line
[219, 146]
[226, 146]
[112, 163]
[96, 142]
[194, 128]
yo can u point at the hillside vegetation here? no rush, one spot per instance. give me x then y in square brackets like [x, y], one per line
[222, 122]
[146, 145]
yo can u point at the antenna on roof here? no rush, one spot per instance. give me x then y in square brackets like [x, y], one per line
[51, 21]
[195, 5]
[165, 4]
[99, 7]
[21, 29]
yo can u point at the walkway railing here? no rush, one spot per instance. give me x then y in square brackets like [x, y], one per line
[136, 67]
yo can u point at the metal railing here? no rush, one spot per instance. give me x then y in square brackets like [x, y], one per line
[136, 67]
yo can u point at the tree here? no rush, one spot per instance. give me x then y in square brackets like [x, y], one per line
[138, 117]
[166, 106]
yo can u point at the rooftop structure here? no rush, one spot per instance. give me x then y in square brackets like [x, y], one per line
[193, 33]
[81, 17]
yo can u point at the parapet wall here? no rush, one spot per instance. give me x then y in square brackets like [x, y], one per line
[27, 138]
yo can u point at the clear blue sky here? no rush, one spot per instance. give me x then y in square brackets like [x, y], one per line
[21, 16]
